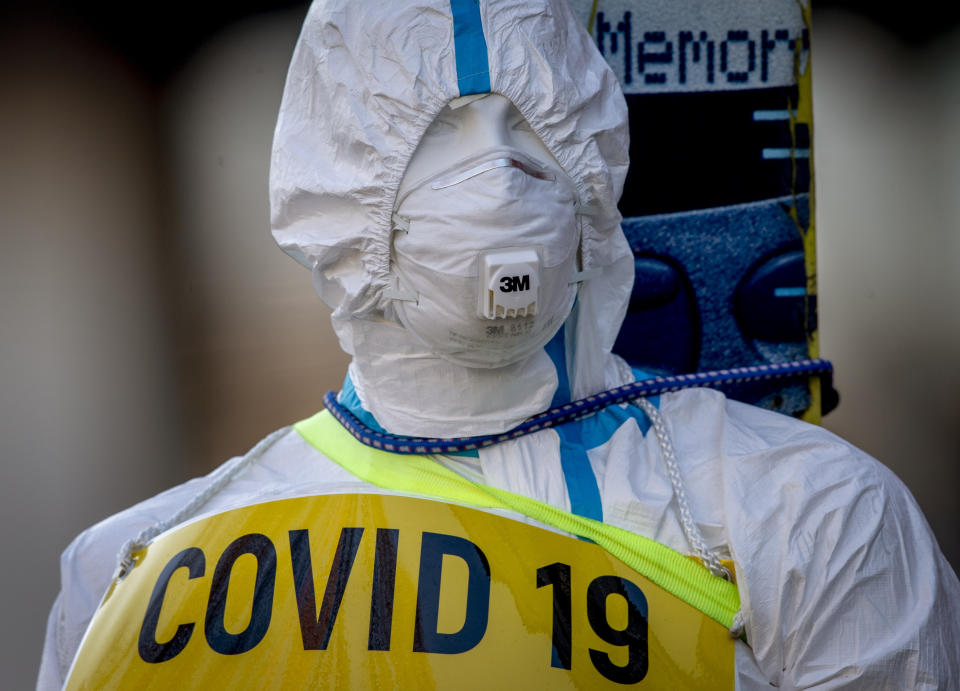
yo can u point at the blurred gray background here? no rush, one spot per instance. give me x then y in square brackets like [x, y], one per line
[150, 329]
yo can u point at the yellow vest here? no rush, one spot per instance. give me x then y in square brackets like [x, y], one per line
[372, 590]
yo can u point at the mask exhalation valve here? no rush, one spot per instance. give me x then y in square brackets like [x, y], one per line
[509, 283]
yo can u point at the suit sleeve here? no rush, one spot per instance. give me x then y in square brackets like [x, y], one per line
[863, 597]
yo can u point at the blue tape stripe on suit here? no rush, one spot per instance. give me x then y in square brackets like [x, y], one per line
[577, 472]
[577, 437]
[473, 69]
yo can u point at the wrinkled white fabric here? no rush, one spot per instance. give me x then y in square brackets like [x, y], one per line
[471, 393]
[365, 82]
[840, 578]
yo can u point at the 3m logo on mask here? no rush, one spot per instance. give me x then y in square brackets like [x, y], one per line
[509, 283]
[514, 284]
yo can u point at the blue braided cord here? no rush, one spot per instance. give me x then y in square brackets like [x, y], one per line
[575, 410]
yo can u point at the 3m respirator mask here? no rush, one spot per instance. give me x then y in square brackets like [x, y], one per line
[485, 257]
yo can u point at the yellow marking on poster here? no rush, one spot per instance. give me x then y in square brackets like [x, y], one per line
[367, 591]
[803, 73]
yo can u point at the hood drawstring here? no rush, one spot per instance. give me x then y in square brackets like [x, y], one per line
[690, 529]
[126, 561]
[223, 476]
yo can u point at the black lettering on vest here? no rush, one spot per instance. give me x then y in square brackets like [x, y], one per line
[218, 638]
[149, 648]
[426, 638]
[558, 575]
[381, 598]
[634, 636]
[315, 631]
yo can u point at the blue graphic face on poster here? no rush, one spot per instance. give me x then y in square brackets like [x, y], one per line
[716, 203]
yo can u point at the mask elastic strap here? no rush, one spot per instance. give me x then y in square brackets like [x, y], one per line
[396, 291]
[581, 274]
[585, 275]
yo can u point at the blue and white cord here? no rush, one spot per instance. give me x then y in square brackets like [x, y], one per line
[575, 409]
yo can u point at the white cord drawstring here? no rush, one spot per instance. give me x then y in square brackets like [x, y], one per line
[223, 477]
[126, 562]
[690, 529]
[738, 626]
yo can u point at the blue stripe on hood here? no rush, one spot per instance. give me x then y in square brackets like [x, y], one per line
[473, 69]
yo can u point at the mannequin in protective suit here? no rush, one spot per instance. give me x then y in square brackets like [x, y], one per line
[411, 193]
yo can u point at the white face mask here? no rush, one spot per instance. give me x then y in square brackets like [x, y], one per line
[486, 252]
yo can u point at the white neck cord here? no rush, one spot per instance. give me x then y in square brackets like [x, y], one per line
[690, 529]
[125, 560]
[229, 471]
[223, 477]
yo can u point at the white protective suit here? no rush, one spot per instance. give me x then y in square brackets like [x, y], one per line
[841, 582]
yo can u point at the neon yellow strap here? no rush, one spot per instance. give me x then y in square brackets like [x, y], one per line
[684, 578]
